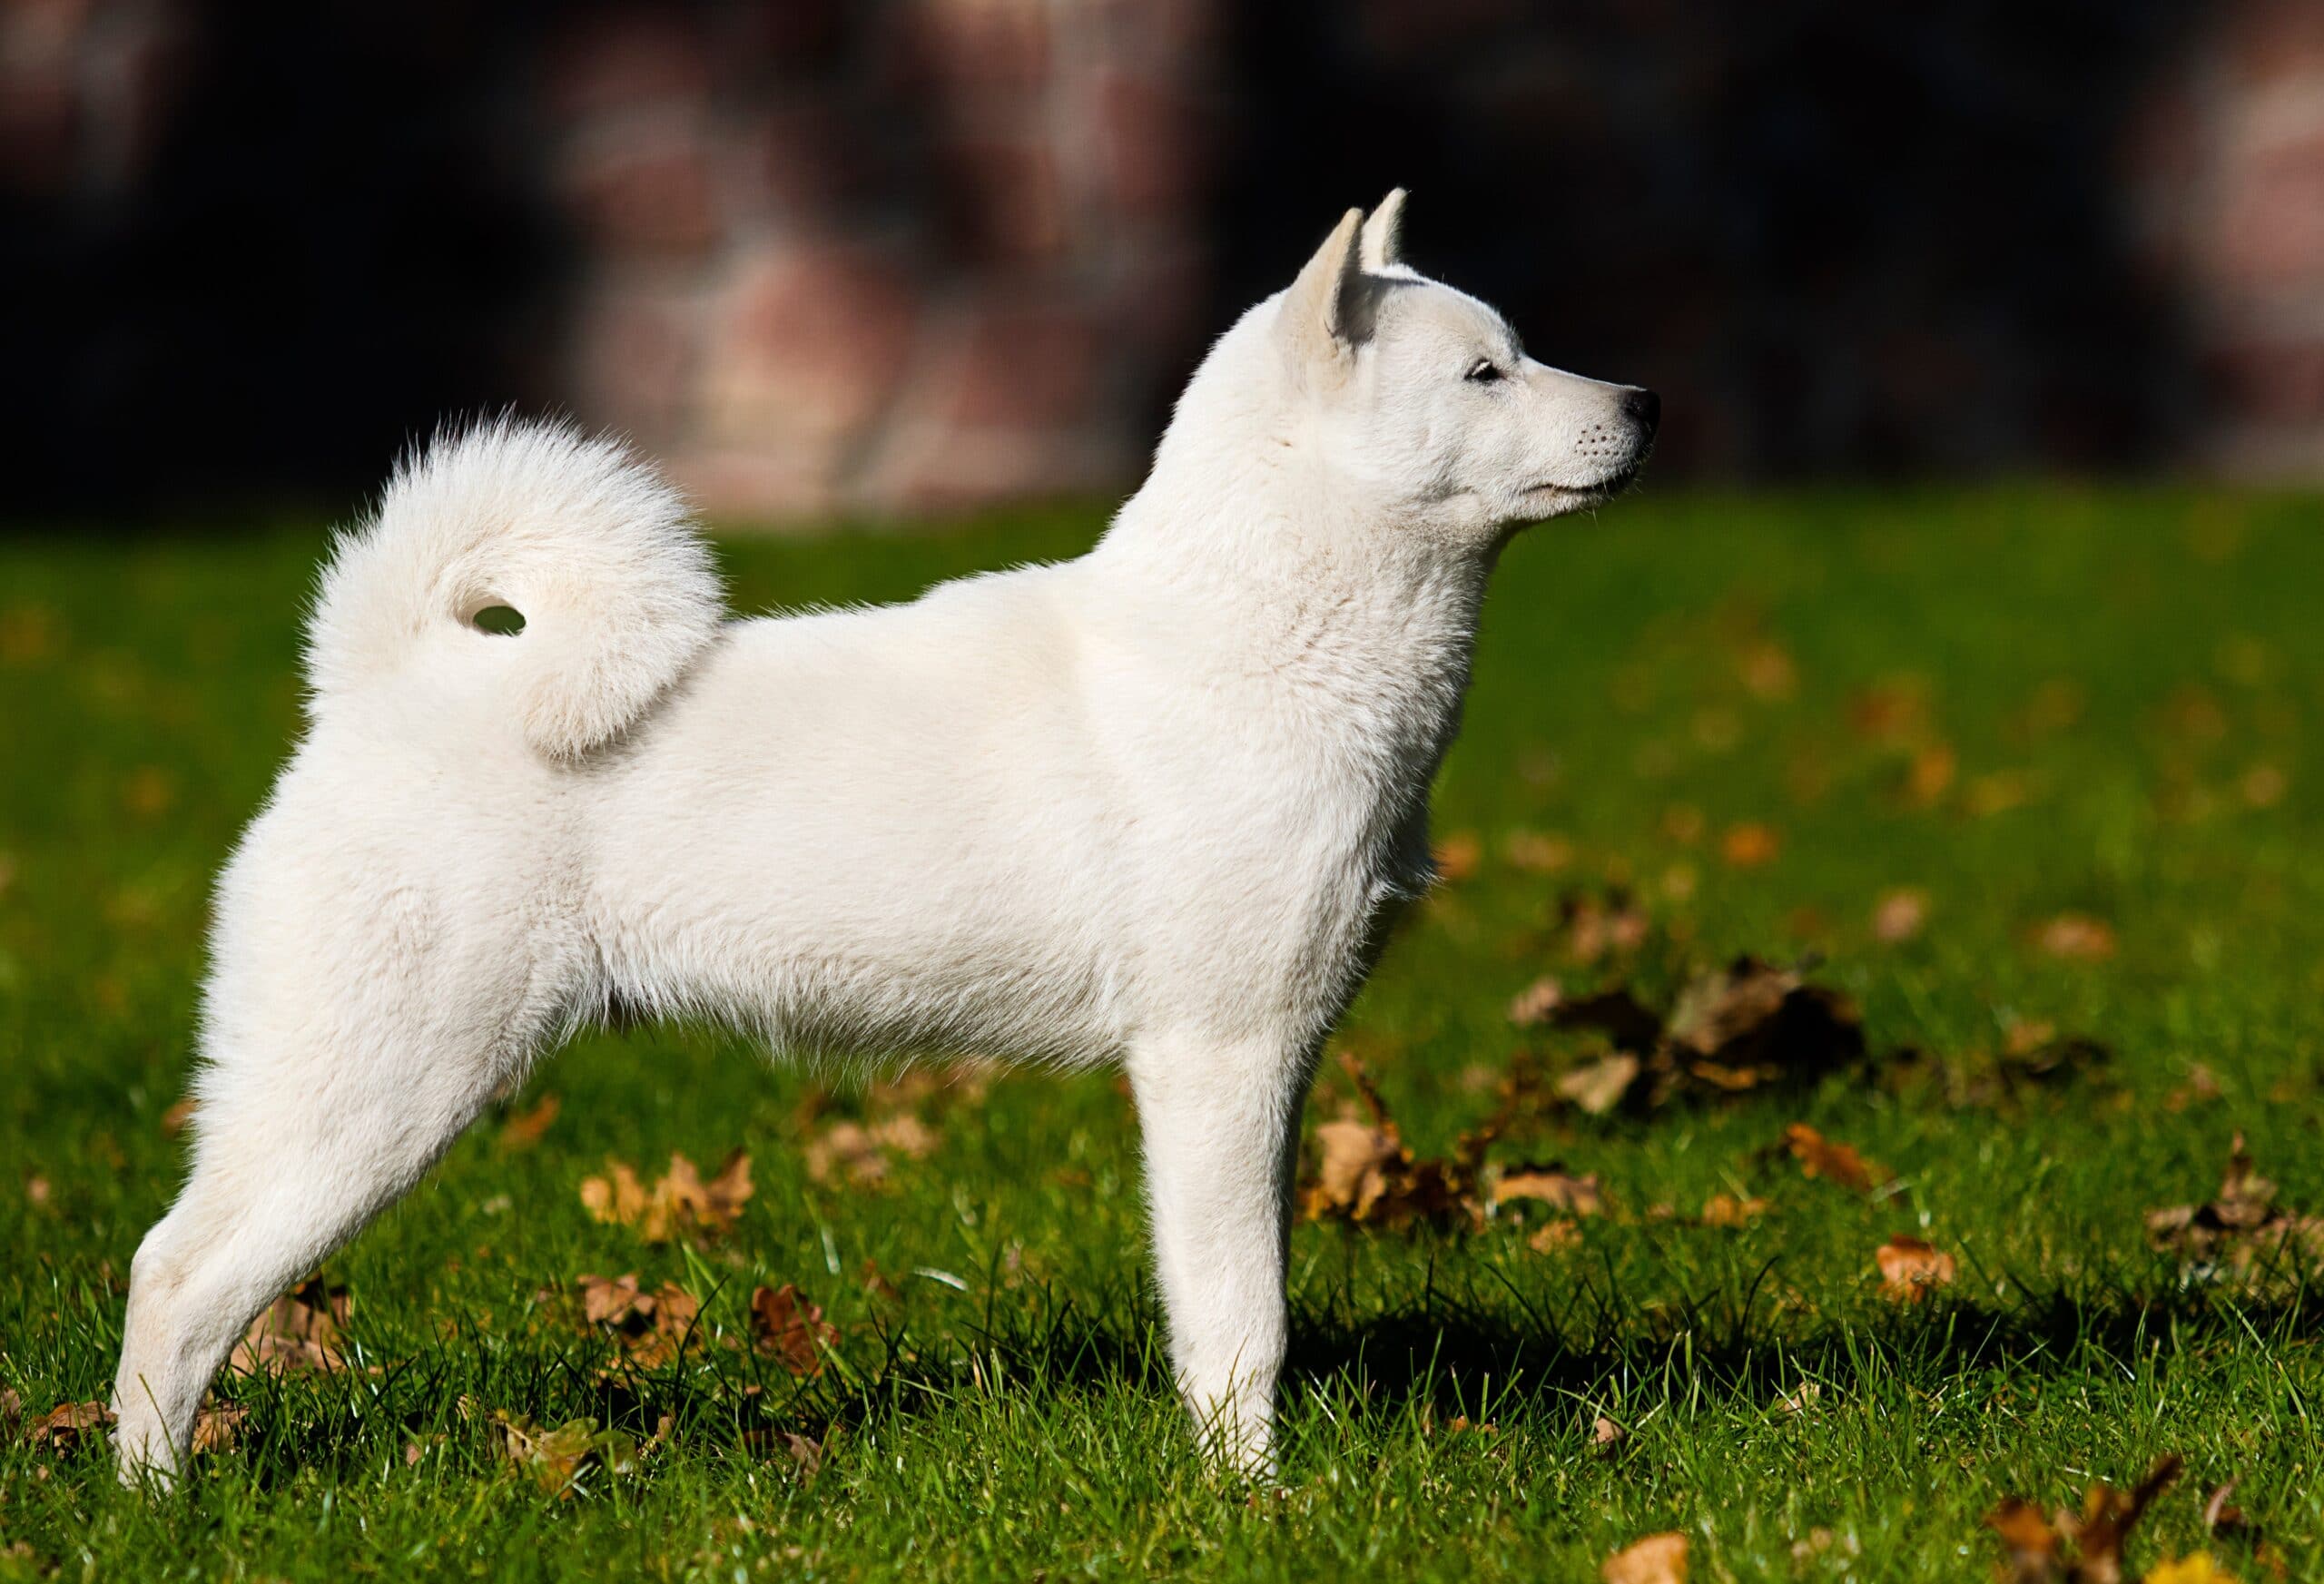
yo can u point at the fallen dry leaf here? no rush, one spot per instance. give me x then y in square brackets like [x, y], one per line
[1768, 671]
[2030, 1542]
[2034, 1050]
[1366, 1176]
[966, 1080]
[2033, 1054]
[298, 1332]
[64, 1428]
[218, 1426]
[864, 1153]
[1727, 1210]
[1534, 1003]
[1930, 774]
[524, 1130]
[558, 1459]
[785, 1324]
[28, 633]
[1732, 1030]
[2224, 1518]
[1819, 1540]
[149, 791]
[806, 1455]
[2109, 1515]
[1602, 1084]
[1594, 927]
[2242, 1224]
[1551, 1185]
[1627, 1022]
[1555, 1237]
[2264, 785]
[1834, 1162]
[1750, 1024]
[2087, 1549]
[1894, 711]
[2201, 1087]
[1458, 857]
[651, 1327]
[1899, 915]
[1537, 853]
[1910, 1267]
[1354, 1163]
[1751, 845]
[2075, 937]
[679, 1203]
[1606, 1437]
[175, 1119]
[1660, 1558]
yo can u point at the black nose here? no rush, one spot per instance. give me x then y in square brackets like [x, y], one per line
[1644, 408]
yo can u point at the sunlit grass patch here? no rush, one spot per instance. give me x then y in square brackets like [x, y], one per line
[2026, 780]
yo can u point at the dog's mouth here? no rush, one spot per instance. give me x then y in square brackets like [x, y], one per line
[1602, 489]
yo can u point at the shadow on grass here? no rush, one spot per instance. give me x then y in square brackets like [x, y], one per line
[1447, 1352]
[1443, 1355]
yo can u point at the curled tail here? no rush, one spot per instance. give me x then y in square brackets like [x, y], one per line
[590, 546]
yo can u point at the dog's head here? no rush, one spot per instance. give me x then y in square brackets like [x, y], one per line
[1426, 394]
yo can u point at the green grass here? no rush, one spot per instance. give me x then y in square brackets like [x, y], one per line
[2133, 687]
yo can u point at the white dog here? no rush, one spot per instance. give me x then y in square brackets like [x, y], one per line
[1150, 806]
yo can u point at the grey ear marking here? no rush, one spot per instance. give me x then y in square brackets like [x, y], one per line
[1384, 233]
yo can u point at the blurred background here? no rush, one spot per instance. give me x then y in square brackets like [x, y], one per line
[903, 256]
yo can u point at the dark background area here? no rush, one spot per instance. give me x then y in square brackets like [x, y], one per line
[925, 253]
[1836, 237]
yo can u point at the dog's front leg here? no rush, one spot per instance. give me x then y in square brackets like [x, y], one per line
[1221, 1124]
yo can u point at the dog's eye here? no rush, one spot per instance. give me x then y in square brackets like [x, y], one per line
[1483, 371]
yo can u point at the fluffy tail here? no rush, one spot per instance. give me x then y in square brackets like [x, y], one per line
[591, 547]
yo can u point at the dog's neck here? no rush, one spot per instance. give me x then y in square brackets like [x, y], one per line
[1365, 624]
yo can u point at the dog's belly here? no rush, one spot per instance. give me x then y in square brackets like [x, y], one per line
[872, 951]
[844, 851]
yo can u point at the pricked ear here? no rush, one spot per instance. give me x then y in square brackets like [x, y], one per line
[1325, 315]
[1384, 233]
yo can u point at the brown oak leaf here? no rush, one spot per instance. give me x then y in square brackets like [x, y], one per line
[2085, 1549]
[218, 1426]
[1834, 1162]
[1553, 1186]
[651, 1327]
[298, 1332]
[1910, 1267]
[2075, 937]
[2242, 1223]
[1659, 1559]
[63, 1428]
[679, 1203]
[1366, 1176]
[785, 1324]
[524, 1130]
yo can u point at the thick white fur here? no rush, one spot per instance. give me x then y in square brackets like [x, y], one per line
[1150, 806]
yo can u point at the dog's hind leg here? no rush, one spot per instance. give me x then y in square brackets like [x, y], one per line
[334, 1080]
[1221, 1126]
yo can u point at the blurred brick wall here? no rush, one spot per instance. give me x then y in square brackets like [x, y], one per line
[911, 254]
[906, 256]
[2227, 166]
